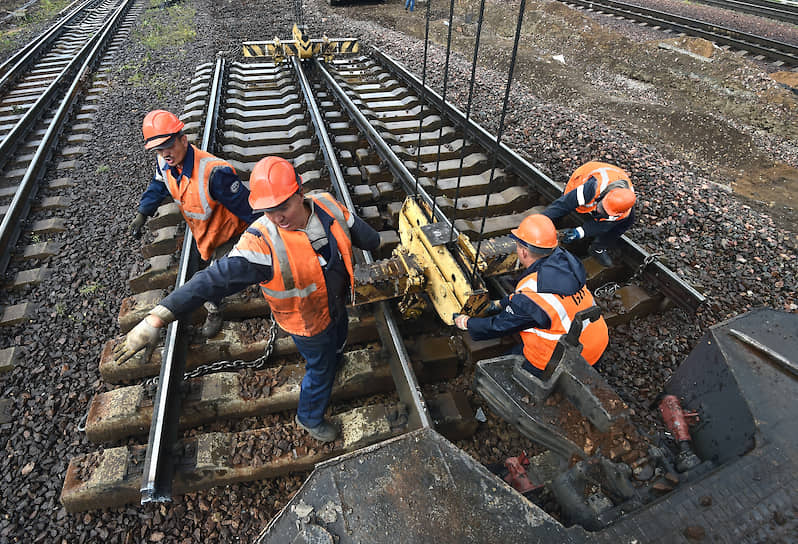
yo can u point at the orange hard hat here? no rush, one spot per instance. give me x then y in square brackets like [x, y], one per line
[618, 201]
[537, 233]
[272, 182]
[159, 127]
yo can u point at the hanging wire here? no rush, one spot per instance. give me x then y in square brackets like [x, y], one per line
[298, 19]
[423, 98]
[499, 137]
[440, 130]
[468, 112]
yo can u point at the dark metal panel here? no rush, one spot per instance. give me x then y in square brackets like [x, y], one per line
[415, 488]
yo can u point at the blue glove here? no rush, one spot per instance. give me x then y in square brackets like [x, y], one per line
[571, 236]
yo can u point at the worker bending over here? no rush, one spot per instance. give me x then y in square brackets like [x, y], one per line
[551, 292]
[300, 252]
[604, 194]
[212, 199]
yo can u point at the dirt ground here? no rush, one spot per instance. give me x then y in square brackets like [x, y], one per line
[718, 112]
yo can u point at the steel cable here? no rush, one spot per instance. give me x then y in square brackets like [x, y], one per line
[499, 137]
[423, 96]
[468, 112]
[440, 130]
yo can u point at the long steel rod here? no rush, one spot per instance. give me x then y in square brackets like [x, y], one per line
[404, 377]
[20, 204]
[156, 485]
[774, 355]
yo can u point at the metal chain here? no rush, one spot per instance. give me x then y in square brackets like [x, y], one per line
[608, 289]
[230, 366]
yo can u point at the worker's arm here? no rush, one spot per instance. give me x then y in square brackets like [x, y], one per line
[227, 189]
[571, 200]
[154, 194]
[250, 262]
[519, 314]
[363, 236]
[224, 277]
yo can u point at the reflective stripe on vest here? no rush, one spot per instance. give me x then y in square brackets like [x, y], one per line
[539, 344]
[298, 297]
[204, 194]
[210, 223]
[602, 173]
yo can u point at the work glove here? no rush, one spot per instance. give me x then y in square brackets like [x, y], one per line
[460, 321]
[137, 224]
[144, 336]
[572, 235]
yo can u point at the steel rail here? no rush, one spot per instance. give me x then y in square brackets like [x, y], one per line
[762, 8]
[15, 64]
[34, 113]
[20, 204]
[722, 35]
[401, 367]
[634, 256]
[156, 485]
[395, 165]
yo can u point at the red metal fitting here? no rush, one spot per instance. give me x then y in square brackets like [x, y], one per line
[517, 476]
[674, 418]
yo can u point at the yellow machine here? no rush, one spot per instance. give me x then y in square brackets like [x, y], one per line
[422, 265]
[301, 46]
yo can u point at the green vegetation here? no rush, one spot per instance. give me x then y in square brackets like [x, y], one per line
[49, 8]
[42, 11]
[103, 168]
[89, 288]
[167, 27]
[160, 29]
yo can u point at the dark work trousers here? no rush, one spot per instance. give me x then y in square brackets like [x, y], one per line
[518, 349]
[322, 353]
[607, 233]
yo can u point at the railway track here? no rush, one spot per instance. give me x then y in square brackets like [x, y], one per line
[779, 53]
[40, 88]
[780, 11]
[350, 126]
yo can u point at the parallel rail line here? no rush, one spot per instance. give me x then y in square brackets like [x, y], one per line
[774, 50]
[762, 8]
[38, 87]
[350, 127]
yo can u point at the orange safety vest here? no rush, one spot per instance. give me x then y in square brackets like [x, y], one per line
[211, 223]
[297, 292]
[539, 344]
[608, 177]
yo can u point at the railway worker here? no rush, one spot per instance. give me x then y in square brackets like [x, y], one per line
[213, 201]
[603, 193]
[300, 252]
[549, 294]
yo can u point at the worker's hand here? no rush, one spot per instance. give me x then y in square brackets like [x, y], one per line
[137, 224]
[461, 321]
[144, 336]
[572, 235]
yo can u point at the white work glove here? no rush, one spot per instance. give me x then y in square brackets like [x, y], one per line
[144, 336]
[461, 321]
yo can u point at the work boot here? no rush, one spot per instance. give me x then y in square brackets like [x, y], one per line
[213, 321]
[323, 432]
[602, 256]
